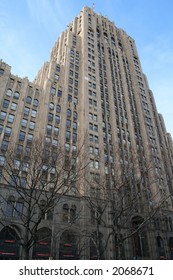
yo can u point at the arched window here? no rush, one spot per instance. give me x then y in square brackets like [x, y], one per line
[72, 213]
[10, 206]
[65, 213]
[170, 224]
[42, 247]
[19, 207]
[9, 244]
[68, 246]
[160, 245]
[28, 99]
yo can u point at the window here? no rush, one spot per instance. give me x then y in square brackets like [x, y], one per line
[90, 126]
[67, 147]
[35, 103]
[55, 142]
[2, 160]
[26, 111]
[5, 103]
[57, 77]
[76, 83]
[68, 113]
[16, 95]
[50, 117]
[4, 145]
[32, 125]
[67, 136]
[17, 164]
[28, 99]
[74, 137]
[7, 131]
[51, 106]
[56, 131]
[74, 125]
[10, 206]
[69, 98]
[22, 136]
[95, 118]
[53, 91]
[97, 164]
[19, 208]
[1, 128]
[96, 139]
[65, 213]
[75, 91]
[9, 92]
[24, 122]
[74, 115]
[33, 113]
[57, 119]
[95, 127]
[10, 118]
[58, 108]
[13, 106]
[68, 123]
[29, 137]
[59, 93]
[91, 138]
[1, 71]
[75, 101]
[49, 129]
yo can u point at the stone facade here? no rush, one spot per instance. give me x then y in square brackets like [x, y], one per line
[93, 94]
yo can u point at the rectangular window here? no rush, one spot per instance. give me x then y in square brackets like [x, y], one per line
[49, 129]
[33, 113]
[7, 131]
[56, 131]
[10, 118]
[50, 117]
[31, 125]
[26, 111]
[13, 106]
[24, 122]
[5, 103]
[69, 98]
[1, 128]
[4, 145]
[68, 123]
[3, 116]
[67, 136]
[2, 160]
[57, 119]
[75, 125]
[22, 136]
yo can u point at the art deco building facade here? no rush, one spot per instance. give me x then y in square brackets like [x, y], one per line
[93, 94]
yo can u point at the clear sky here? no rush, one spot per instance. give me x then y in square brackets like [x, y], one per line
[29, 29]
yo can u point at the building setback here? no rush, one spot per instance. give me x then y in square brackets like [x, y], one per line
[92, 96]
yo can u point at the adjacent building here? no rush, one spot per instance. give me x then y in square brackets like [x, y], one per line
[93, 94]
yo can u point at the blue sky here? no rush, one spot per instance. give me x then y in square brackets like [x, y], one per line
[29, 29]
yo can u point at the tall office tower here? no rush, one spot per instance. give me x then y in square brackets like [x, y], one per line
[92, 99]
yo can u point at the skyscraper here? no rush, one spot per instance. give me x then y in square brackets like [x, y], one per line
[92, 96]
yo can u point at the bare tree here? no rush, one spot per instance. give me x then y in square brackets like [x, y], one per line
[125, 205]
[39, 177]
